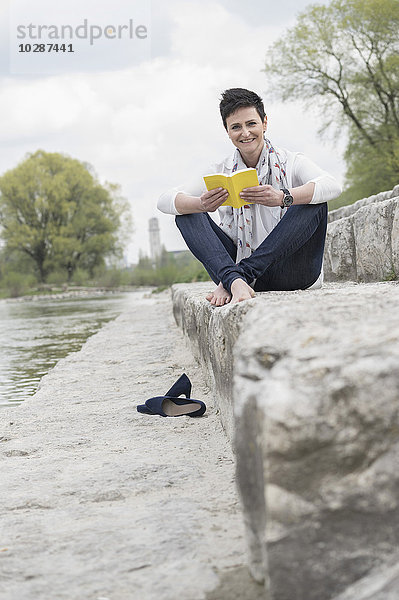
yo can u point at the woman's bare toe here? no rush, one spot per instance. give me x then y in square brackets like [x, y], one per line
[241, 291]
[219, 297]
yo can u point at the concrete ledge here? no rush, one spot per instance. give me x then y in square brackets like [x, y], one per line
[307, 384]
[347, 211]
[100, 501]
[213, 334]
[362, 241]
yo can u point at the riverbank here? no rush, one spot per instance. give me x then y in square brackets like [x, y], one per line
[100, 501]
[34, 336]
[75, 292]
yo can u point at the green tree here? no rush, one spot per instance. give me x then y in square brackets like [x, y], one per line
[54, 210]
[344, 59]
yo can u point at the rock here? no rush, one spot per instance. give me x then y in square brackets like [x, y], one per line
[347, 211]
[372, 229]
[340, 252]
[307, 384]
[395, 239]
[362, 242]
[381, 584]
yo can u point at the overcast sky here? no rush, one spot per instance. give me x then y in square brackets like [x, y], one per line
[144, 112]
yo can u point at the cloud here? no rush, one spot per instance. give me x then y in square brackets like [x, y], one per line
[151, 126]
[208, 34]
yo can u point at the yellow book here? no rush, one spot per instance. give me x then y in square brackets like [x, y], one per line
[234, 184]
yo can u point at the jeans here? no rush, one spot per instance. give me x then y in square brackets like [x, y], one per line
[289, 258]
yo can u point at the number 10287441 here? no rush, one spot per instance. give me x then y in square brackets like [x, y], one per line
[45, 48]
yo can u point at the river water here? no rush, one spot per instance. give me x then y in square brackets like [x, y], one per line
[34, 335]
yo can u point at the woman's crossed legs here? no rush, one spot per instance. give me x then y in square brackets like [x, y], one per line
[289, 258]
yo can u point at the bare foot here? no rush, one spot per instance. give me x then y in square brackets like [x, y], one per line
[241, 291]
[219, 297]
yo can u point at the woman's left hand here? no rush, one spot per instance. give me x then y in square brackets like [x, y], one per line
[262, 194]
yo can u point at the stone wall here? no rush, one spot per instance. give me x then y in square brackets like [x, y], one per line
[307, 385]
[363, 240]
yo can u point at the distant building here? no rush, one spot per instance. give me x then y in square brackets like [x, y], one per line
[155, 239]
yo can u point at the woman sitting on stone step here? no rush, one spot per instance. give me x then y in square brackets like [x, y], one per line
[277, 241]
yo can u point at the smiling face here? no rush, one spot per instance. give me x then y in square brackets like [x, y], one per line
[245, 128]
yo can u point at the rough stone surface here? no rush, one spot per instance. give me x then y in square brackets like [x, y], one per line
[395, 238]
[101, 502]
[381, 584]
[340, 251]
[347, 211]
[310, 400]
[372, 229]
[362, 240]
[212, 340]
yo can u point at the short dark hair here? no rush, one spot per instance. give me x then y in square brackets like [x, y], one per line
[235, 98]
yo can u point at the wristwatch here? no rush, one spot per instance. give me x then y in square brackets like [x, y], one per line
[287, 200]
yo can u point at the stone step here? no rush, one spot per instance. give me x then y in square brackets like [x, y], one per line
[307, 384]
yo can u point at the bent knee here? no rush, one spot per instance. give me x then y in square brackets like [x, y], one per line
[189, 218]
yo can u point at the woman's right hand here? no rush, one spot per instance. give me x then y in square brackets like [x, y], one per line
[212, 199]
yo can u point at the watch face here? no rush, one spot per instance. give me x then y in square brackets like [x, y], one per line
[288, 200]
